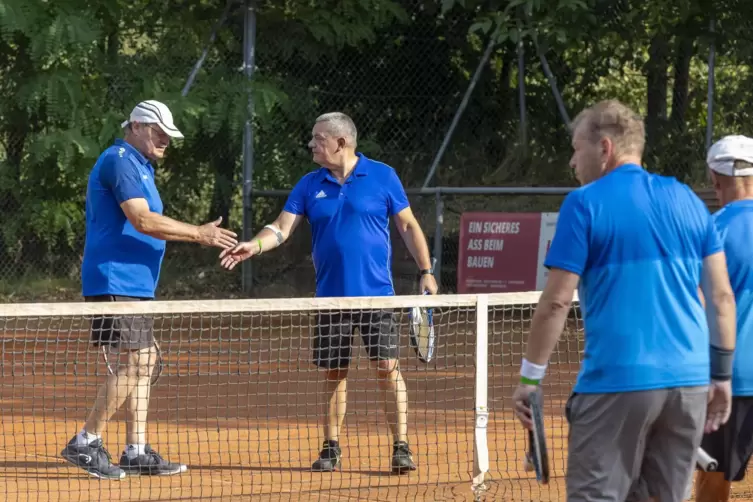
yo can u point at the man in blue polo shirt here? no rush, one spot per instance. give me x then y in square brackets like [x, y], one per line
[349, 202]
[731, 163]
[637, 246]
[125, 243]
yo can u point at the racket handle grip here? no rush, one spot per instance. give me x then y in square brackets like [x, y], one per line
[527, 464]
[527, 460]
[705, 461]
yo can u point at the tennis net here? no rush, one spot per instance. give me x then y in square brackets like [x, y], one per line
[240, 402]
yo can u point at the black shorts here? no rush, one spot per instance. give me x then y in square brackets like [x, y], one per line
[127, 332]
[732, 444]
[334, 336]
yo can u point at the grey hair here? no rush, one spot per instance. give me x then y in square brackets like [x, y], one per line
[341, 125]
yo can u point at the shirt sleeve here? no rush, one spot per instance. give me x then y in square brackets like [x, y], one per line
[397, 200]
[296, 203]
[569, 248]
[122, 178]
[714, 242]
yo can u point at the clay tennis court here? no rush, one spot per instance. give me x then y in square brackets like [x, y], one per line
[238, 403]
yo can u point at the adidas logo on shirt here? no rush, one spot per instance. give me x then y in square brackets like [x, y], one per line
[321, 194]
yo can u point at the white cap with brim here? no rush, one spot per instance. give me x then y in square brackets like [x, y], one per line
[723, 154]
[154, 112]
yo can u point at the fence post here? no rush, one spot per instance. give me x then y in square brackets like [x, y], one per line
[438, 234]
[249, 47]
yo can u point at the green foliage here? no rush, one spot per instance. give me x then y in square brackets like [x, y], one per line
[71, 70]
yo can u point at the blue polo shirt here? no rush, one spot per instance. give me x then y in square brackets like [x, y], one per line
[735, 225]
[119, 260]
[350, 227]
[637, 241]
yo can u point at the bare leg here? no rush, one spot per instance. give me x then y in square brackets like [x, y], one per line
[335, 385]
[394, 398]
[711, 487]
[137, 404]
[113, 393]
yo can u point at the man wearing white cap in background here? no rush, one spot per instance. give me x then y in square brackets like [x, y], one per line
[125, 244]
[731, 164]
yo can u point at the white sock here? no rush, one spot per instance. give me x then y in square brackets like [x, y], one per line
[134, 450]
[84, 438]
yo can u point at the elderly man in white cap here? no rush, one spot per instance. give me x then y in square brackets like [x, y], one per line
[731, 163]
[125, 243]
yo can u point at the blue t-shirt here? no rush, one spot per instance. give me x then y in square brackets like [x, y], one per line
[735, 225]
[637, 240]
[119, 260]
[350, 227]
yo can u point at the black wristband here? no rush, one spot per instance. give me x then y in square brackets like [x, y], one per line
[425, 271]
[721, 363]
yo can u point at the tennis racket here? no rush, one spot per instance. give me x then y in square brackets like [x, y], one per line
[705, 461]
[537, 457]
[422, 335]
[156, 373]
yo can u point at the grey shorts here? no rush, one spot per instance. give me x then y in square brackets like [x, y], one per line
[633, 445]
[127, 332]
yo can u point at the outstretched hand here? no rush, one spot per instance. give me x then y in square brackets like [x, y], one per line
[229, 258]
[210, 234]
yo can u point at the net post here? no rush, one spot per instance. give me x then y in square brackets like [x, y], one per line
[481, 410]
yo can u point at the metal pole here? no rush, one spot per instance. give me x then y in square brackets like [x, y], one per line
[461, 108]
[490, 190]
[200, 62]
[522, 91]
[548, 73]
[249, 47]
[438, 234]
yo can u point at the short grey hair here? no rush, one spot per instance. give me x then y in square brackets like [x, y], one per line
[341, 125]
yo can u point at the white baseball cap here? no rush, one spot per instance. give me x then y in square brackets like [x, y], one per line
[154, 112]
[723, 154]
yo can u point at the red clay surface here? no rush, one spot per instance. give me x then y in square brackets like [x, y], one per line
[238, 403]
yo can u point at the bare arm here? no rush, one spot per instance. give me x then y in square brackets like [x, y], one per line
[162, 227]
[550, 315]
[266, 240]
[719, 302]
[414, 237]
[286, 223]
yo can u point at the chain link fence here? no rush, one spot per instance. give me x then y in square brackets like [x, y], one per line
[402, 70]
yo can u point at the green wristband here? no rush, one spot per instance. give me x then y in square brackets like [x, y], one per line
[258, 241]
[529, 381]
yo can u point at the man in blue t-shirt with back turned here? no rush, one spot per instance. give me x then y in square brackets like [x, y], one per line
[731, 163]
[125, 242]
[637, 246]
[349, 203]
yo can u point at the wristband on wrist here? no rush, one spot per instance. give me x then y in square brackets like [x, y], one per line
[276, 231]
[529, 381]
[721, 363]
[532, 372]
[258, 241]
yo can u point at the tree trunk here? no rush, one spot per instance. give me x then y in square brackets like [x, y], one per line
[683, 55]
[656, 80]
